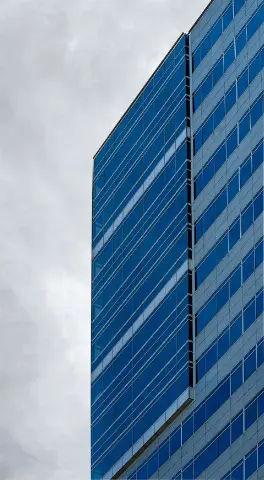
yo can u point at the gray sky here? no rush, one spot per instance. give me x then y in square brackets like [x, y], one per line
[68, 70]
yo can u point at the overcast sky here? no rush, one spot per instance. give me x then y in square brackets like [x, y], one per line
[68, 70]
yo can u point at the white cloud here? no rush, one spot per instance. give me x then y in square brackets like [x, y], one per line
[69, 69]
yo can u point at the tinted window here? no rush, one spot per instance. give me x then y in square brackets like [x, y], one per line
[235, 282]
[250, 364]
[231, 143]
[250, 414]
[228, 16]
[242, 83]
[251, 464]
[245, 172]
[234, 234]
[248, 267]
[244, 127]
[255, 68]
[249, 315]
[229, 57]
[230, 98]
[247, 219]
[216, 31]
[237, 427]
[241, 41]
[233, 188]
[236, 330]
[218, 71]
[236, 379]
[256, 112]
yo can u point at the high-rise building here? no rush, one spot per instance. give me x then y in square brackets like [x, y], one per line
[177, 269]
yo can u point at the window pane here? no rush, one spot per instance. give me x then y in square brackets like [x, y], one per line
[205, 46]
[237, 473]
[208, 128]
[228, 16]
[208, 172]
[220, 157]
[252, 26]
[197, 100]
[223, 344]
[175, 441]
[259, 255]
[258, 205]
[234, 234]
[222, 297]
[260, 354]
[153, 464]
[199, 418]
[237, 427]
[219, 114]
[247, 219]
[229, 57]
[241, 41]
[224, 441]
[198, 184]
[196, 58]
[230, 99]
[238, 5]
[250, 364]
[255, 68]
[236, 330]
[211, 357]
[259, 304]
[187, 430]
[218, 71]
[248, 267]
[221, 203]
[164, 453]
[244, 127]
[260, 404]
[242, 83]
[209, 217]
[142, 472]
[233, 188]
[236, 379]
[256, 112]
[245, 172]
[198, 230]
[207, 86]
[257, 157]
[198, 141]
[216, 31]
[231, 143]
[249, 315]
[251, 464]
[250, 414]
[235, 282]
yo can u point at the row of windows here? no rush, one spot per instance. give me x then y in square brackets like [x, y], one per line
[114, 188]
[215, 162]
[224, 439]
[230, 335]
[140, 104]
[228, 100]
[216, 31]
[119, 445]
[229, 191]
[248, 465]
[229, 239]
[234, 49]
[229, 385]
[148, 211]
[230, 286]
[164, 118]
[144, 344]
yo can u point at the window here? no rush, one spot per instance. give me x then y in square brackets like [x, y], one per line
[218, 71]
[234, 233]
[236, 330]
[207, 86]
[208, 172]
[237, 427]
[249, 315]
[235, 282]
[247, 219]
[199, 418]
[164, 453]
[252, 26]
[238, 5]
[260, 354]
[209, 217]
[219, 114]
[175, 441]
[153, 464]
[220, 157]
[216, 31]
[223, 344]
[208, 128]
[251, 463]
[220, 203]
[237, 473]
[206, 45]
[242, 83]
[197, 99]
[244, 127]
[236, 379]
[257, 157]
[231, 143]
[261, 404]
[245, 172]
[250, 364]
[142, 473]
[222, 296]
[258, 206]
[187, 429]
[198, 141]
[198, 184]
[198, 230]
[259, 304]
[233, 187]
[241, 41]
[254, 68]
[228, 16]
[259, 255]
[250, 414]
[248, 267]
[229, 57]
[230, 98]
[224, 441]
[256, 111]
[211, 357]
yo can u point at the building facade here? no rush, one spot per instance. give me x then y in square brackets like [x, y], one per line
[177, 263]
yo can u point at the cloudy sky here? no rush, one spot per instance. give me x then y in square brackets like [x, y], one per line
[68, 70]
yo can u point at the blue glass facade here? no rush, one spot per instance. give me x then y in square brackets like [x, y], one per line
[177, 262]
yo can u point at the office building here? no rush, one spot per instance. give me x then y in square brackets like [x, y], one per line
[177, 269]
